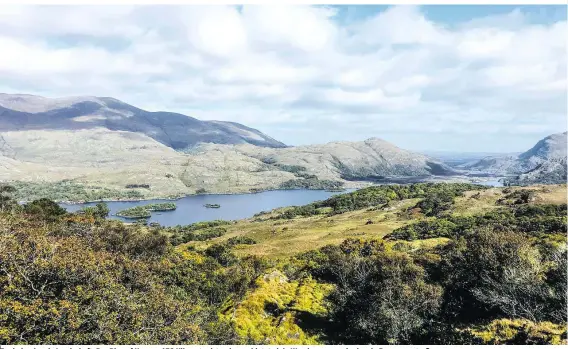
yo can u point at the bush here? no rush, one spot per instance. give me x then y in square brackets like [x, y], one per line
[496, 274]
[241, 240]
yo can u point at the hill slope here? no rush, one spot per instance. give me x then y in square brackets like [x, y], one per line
[117, 159]
[369, 159]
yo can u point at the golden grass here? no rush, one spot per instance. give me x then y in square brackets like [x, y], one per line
[476, 201]
[286, 237]
[511, 331]
[557, 194]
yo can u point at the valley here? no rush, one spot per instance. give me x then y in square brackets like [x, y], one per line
[84, 149]
[288, 175]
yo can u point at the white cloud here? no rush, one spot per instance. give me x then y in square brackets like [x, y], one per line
[285, 68]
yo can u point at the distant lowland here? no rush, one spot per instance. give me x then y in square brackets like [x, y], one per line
[99, 148]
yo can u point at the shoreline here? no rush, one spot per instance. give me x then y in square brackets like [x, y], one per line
[467, 178]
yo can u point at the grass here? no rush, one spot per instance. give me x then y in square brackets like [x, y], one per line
[286, 237]
[279, 238]
[475, 202]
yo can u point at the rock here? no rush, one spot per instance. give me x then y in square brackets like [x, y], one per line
[275, 275]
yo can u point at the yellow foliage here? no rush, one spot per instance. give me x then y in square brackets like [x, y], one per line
[269, 314]
[521, 331]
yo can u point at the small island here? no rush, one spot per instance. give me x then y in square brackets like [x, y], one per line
[335, 190]
[138, 212]
[212, 205]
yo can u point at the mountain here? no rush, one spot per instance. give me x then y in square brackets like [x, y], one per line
[548, 172]
[370, 159]
[552, 147]
[178, 131]
[543, 163]
[106, 163]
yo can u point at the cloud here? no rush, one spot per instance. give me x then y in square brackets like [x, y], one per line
[289, 68]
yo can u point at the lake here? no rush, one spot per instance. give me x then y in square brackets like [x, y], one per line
[191, 209]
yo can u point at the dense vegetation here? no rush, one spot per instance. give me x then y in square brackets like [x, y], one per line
[144, 211]
[68, 191]
[200, 231]
[437, 197]
[498, 277]
[534, 220]
[388, 294]
[311, 183]
[80, 279]
[143, 186]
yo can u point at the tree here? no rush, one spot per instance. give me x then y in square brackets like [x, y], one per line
[100, 210]
[495, 273]
[381, 296]
[6, 197]
[44, 209]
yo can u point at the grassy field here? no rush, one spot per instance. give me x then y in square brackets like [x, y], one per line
[279, 238]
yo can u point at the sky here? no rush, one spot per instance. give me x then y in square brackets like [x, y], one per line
[445, 78]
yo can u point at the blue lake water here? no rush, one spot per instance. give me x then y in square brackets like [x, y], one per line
[191, 209]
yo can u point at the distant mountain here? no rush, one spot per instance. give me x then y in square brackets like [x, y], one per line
[457, 158]
[109, 162]
[552, 147]
[548, 172]
[27, 112]
[543, 163]
[373, 158]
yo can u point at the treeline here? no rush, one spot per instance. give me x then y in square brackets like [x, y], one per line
[437, 197]
[200, 231]
[144, 211]
[312, 182]
[69, 191]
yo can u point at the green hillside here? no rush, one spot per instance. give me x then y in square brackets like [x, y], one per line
[418, 264]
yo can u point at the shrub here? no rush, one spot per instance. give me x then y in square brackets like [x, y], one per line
[44, 209]
[241, 240]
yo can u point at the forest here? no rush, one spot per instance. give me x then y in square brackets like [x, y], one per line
[440, 277]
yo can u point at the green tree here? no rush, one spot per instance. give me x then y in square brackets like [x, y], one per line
[45, 209]
[7, 197]
[100, 210]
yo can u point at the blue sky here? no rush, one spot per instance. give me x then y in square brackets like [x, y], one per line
[452, 77]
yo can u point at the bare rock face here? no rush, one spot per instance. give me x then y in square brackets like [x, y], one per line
[552, 147]
[178, 131]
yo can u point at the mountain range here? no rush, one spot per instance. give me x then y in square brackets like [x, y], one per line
[101, 142]
[178, 131]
